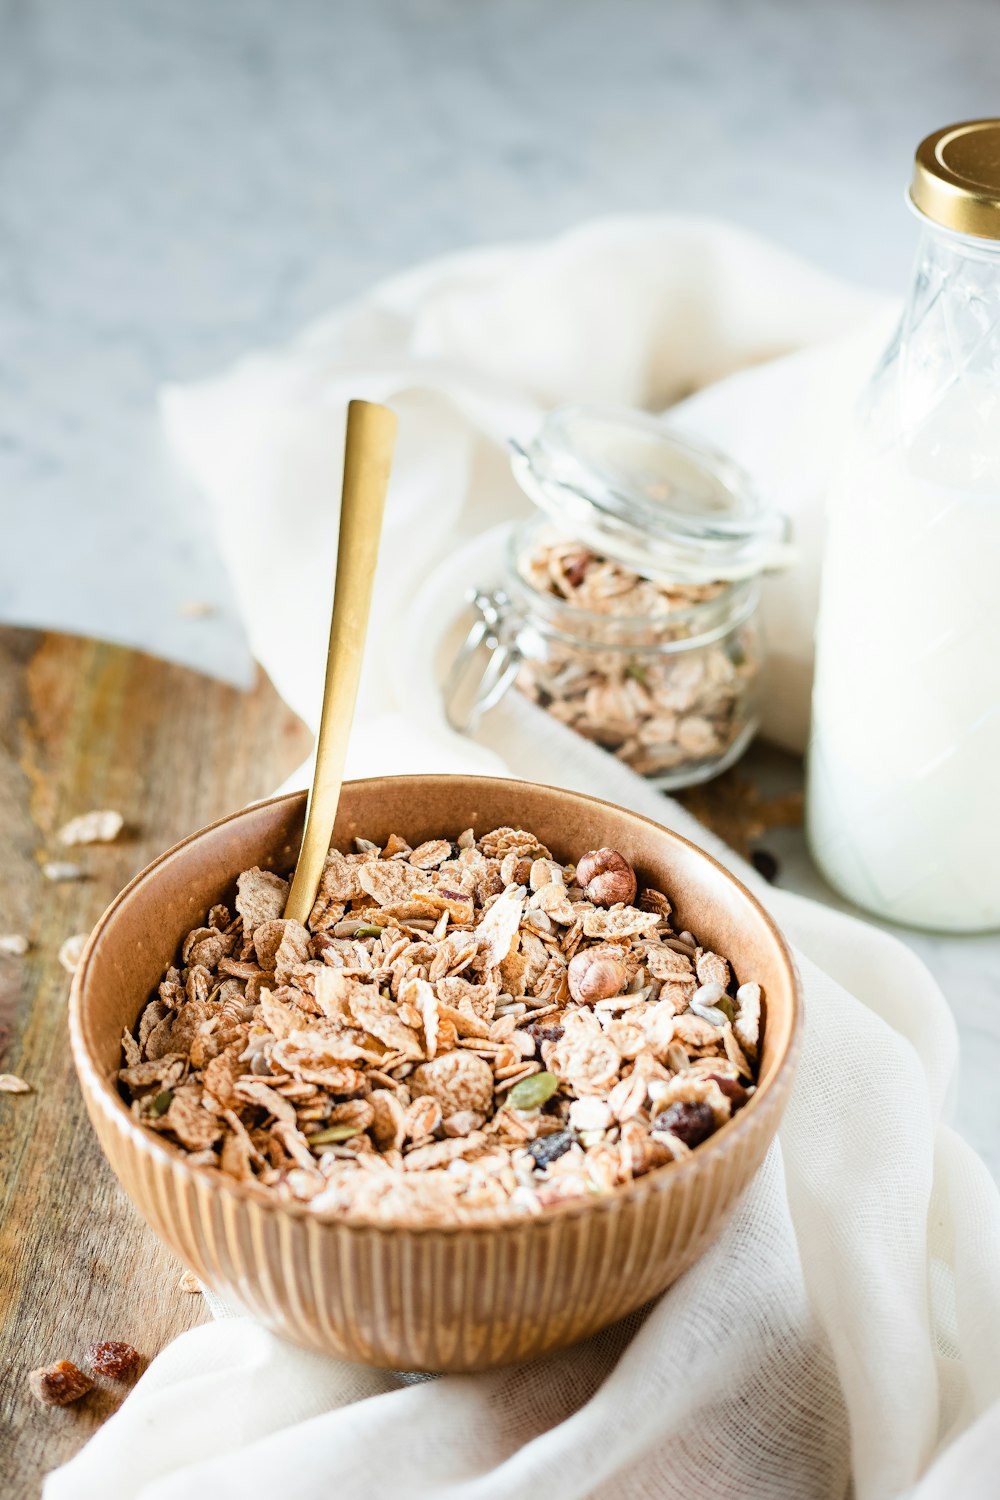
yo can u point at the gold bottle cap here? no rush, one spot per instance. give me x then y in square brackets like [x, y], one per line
[956, 178]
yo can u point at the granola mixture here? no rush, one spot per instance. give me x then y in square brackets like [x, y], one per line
[663, 714]
[466, 1030]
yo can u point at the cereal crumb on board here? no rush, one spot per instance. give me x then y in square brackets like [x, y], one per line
[59, 1384]
[62, 869]
[188, 1282]
[467, 1030]
[14, 943]
[11, 1084]
[72, 951]
[102, 826]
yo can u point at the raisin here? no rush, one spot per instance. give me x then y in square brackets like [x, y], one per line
[765, 863]
[576, 567]
[113, 1358]
[456, 849]
[59, 1384]
[690, 1123]
[490, 885]
[733, 1090]
[542, 1034]
[548, 1147]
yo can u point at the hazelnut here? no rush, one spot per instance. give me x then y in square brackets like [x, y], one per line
[595, 976]
[607, 877]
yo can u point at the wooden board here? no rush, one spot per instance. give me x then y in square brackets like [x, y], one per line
[88, 725]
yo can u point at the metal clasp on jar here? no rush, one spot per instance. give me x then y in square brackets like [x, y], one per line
[474, 684]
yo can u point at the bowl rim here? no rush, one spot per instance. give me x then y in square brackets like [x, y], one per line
[164, 1154]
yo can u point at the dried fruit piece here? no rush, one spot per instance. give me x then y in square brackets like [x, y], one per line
[114, 1358]
[766, 864]
[689, 1122]
[102, 826]
[542, 1034]
[59, 1384]
[548, 1148]
[733, 1090]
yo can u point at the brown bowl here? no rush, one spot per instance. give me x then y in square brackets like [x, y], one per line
[454, 1297]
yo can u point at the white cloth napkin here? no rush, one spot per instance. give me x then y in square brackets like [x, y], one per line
[841, 1336]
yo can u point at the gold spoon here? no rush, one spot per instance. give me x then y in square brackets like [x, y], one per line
[371, 434]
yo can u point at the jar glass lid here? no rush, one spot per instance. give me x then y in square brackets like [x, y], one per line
[628, 486]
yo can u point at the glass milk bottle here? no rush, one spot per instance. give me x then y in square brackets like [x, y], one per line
[903, 801]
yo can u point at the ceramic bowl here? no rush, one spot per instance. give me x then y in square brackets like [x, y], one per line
[425, 1298]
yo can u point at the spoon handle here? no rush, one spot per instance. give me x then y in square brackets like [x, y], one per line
[371, 433]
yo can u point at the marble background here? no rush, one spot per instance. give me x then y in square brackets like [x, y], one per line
[181, 180]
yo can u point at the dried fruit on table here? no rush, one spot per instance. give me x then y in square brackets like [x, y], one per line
[59, 1384]
[114, 1358]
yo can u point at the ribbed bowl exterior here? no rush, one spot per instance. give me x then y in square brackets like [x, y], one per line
[452, 1299]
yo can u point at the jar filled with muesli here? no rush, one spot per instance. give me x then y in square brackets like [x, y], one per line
[629, 608]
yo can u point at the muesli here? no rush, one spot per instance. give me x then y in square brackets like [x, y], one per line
[465, 1030]
[605, 674]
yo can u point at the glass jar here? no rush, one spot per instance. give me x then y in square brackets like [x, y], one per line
[902, 810]
[629, 609]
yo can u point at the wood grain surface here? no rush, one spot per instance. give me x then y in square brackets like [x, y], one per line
[87, 725]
